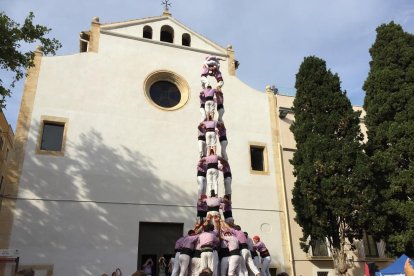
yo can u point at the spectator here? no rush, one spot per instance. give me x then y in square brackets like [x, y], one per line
[147, 267]
[408, 269]
[162, 265]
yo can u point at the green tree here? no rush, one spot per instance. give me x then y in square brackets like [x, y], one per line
[389, 104]
[332, 192]
[12, 58]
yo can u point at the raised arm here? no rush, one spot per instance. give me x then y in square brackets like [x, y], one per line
[201, 127]
[148, 262]
[408, 269]
[222, 160]
[226, 200]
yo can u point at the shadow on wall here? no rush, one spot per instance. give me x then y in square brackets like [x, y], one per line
[86, 205]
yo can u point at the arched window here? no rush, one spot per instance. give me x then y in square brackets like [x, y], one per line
[167, 34]
[147, 32]
[186, 40]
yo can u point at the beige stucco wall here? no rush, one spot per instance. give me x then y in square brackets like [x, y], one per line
[127, 161]
[362, 124]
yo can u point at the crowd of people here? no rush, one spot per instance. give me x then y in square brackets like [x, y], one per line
[223, 247]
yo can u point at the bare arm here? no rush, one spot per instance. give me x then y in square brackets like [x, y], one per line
[148, 262]
[216, 222]
[222, 160]
[225, 200]
[408, 269]
[201, 127]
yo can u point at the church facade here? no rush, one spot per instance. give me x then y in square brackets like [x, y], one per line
[104, 171]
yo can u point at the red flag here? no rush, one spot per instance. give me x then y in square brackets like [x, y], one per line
[366, 270]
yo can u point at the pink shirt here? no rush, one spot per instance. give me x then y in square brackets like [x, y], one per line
[219, 97]
[226, 206]
[201, 132]
[232, 242]
[204, 70]
[209, 92]
[202, 98]
[212, 60]
[260, 247]
[179, 242]
[209, 238]
[221, 131]
[201, 167]
[217, 74]
[213, 201]
[210, 124]
[211, 159]
[202, 206]
[189, 242]
[225, 168]
[198, 245]
[241, 237]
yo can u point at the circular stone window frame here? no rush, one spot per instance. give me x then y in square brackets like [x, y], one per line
[169, 76]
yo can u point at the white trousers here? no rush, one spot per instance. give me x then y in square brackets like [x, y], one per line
[234, 265]
[204, 82]
[248, 261]
[195, 266]
[265, 266]
[203, 114]
[213, 213]
[227, 185]
[184, 263]
[202, 150]
[224, 266]
[216, 270]
[210, 107]
[211, 138]
[223, 146]
[176, 267]
[212, 180]
[202, 185]
[256, 261]
[207, 260]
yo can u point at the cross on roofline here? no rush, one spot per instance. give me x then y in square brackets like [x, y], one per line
[166, 4]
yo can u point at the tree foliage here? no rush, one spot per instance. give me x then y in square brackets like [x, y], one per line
[12, 58]
[389, 104]
[332, 194]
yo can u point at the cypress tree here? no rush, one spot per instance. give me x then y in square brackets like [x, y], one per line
[331, 192]
[389, 104]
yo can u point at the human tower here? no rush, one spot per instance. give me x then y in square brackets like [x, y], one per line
[216, 243]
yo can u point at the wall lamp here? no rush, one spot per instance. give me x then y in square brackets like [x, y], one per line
[284, 111]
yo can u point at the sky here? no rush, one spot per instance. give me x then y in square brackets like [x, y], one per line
[270, 37]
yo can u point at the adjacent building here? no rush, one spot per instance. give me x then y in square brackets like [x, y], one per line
[6, 149]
